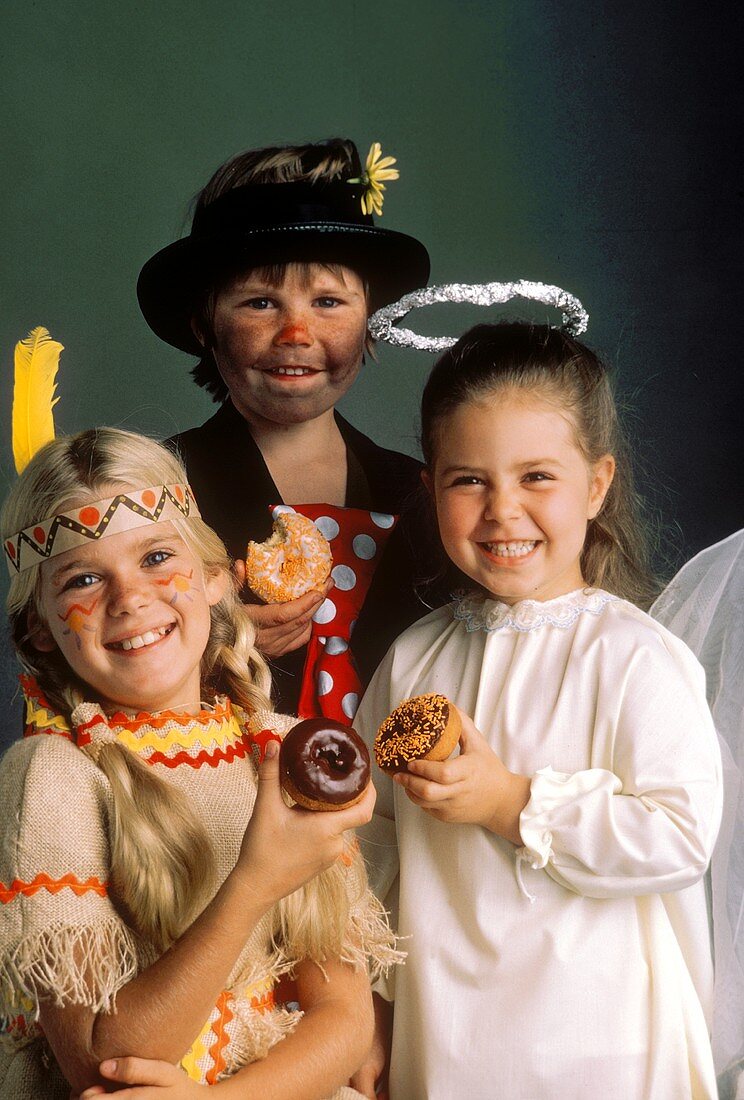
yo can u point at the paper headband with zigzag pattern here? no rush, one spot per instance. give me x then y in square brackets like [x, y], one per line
[91, 522]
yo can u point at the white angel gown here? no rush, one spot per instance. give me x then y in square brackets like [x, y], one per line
[577, 967]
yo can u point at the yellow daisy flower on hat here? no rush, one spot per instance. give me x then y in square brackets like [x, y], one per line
[377, 169]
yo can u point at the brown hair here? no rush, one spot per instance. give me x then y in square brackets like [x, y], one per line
[318, 162]
[492, 358]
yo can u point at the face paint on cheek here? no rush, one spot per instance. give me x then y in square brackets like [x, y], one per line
[75, 617]
[183, 584]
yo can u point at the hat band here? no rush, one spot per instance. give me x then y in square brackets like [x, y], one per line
[92, 522]
[257, 205]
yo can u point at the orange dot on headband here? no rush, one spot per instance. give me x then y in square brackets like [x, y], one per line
[89, 516]
[149, 498]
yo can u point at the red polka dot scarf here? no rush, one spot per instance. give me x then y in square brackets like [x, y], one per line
[331, 687]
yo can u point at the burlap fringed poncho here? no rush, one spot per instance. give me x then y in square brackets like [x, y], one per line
[61, 937]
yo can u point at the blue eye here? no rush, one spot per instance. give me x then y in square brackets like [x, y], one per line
[258, 303]
[327, 302]
[158, 557]
[82, 580]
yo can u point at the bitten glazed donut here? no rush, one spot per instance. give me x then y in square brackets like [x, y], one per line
[324, 765]
[426, 727]
[294, 559]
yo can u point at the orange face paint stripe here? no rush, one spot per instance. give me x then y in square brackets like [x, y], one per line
[43, 882]
[169, 580]
[78, 607]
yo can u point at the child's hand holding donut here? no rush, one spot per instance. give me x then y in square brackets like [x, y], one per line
[290, 573]
[309, 841]
[472, 788]
[282, 627]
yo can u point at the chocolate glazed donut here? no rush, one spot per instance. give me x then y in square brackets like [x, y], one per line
[324, 765]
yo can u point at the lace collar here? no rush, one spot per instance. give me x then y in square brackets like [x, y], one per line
[480, 613]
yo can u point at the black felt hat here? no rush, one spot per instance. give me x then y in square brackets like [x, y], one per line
[269, 223]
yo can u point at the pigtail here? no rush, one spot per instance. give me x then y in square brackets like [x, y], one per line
[231, 664]
[162, 865]
[335, 916]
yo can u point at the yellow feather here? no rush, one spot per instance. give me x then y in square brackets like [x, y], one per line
[36, 363]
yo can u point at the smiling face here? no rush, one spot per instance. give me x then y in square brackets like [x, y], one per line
[287, 353]
[130, 615]
[513, 495]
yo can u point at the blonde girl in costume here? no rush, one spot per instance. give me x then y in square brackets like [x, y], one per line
[550, 874]
[153, 884]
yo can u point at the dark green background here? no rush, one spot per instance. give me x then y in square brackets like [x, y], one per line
[587, 144]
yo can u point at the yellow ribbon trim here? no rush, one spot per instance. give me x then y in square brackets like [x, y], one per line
[210, 736]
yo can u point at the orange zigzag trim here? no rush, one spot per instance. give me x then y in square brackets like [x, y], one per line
[53, 885]
[264, 1003]
[219, 1027]
[204, 717]
[259, 742]
[32, 689]
[238, 750]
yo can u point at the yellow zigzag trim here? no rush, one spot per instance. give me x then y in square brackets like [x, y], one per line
[198, 1051]
[45, 719]
[213, 735]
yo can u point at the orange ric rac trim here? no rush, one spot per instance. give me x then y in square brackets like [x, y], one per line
[133, 723]
[17, 1024]
[53, 885]
[219, 1027]
[263, 1003]
[32, 689]
[258, 742]
[237, 750]
[41, 718]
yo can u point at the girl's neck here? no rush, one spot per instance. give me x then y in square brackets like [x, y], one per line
[131, 712]
[307, 461]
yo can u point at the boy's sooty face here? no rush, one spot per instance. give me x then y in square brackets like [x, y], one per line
[130, 615]
[513, 496]
[288, 353]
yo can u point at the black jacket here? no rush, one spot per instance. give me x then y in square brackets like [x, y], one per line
[234, 490]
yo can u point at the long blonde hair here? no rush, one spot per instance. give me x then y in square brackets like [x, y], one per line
[162, 864]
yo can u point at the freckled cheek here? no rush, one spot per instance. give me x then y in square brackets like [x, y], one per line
[344, 350]
[237, 348]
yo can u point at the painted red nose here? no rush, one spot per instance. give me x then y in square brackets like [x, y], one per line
[293, 334]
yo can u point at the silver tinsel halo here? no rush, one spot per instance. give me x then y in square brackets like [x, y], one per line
[381, 324]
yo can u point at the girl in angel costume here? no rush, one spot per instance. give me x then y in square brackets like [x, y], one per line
[549, 875]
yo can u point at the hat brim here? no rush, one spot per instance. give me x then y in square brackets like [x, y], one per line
[175, 280]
